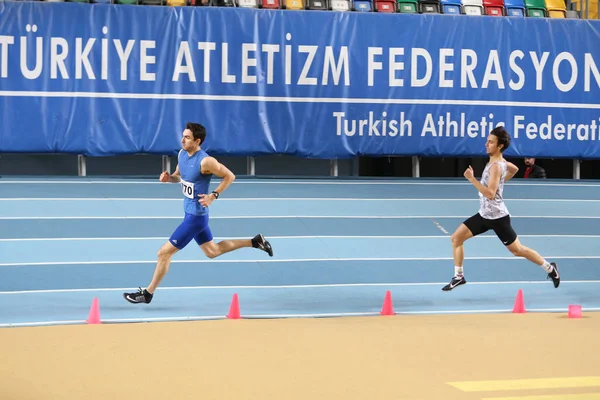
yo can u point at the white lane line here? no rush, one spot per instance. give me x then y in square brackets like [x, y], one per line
[308, 286]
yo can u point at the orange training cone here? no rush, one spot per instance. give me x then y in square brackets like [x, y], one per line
[94, 316]
[234, 309]
[519, 307]
[388, 307]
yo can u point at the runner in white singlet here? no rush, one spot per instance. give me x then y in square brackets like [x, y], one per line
[493, 213]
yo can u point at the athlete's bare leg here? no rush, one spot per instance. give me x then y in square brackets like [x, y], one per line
[212, 249]
[165, 253]
[522, 251]
[458, 238]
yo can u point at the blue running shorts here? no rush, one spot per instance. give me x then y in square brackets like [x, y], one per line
[192, 227]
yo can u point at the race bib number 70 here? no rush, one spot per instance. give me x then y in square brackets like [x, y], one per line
[188, 189]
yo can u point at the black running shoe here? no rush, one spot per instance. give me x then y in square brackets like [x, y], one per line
[554, 275]
[261, 243]
[456, 281]
[141, 296]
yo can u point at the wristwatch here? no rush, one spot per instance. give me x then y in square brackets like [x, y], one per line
[216, 194]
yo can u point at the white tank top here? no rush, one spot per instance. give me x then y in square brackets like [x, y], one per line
[493, 209]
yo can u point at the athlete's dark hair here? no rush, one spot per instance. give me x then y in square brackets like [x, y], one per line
[503, 137]
[198, 131]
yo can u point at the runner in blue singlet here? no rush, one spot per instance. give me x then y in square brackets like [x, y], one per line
[194, 171]
[493, 213]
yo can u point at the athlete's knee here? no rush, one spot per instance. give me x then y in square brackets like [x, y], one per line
[211, 251]
[456, 239]
[166, 252]
[517, 250]
[163, 255]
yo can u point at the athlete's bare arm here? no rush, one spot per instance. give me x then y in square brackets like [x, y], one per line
[210, 165]
[175, 178]
[511, 170]
[490, 190]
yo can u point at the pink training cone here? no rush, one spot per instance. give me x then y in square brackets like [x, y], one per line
[388, 306]
[94, 315]
[519, 307]
[574, 311]
[234, 308]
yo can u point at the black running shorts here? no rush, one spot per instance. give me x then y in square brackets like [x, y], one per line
[501, 226]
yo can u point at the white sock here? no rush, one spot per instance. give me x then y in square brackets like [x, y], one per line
[547, 267]
[458, 271]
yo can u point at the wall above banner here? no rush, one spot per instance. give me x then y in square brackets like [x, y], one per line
[126, 79]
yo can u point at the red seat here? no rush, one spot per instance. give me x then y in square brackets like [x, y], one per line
[271, 4]
[385, 6]
[494, 7]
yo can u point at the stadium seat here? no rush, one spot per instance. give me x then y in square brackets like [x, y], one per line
[556, 8]
[514, 8]
[494, 7]
[362, 5]
[272, 4]
[220, 3]
[385, 6]
[407, 6]
[103, 1]
[451, 6]
[572, 14]
[472, 7]
[293, 4]
[429, 7]
[340, 5]
[317, 4]
[177, 3]
[535, 8]
[248, 3]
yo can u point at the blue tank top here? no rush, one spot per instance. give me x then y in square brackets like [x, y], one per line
[193, 182]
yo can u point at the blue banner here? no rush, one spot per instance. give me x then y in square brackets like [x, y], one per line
[126, 79]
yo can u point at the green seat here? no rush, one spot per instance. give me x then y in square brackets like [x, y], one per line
[407, 6]
[535, 8]
[126, 1]
[535, 13]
